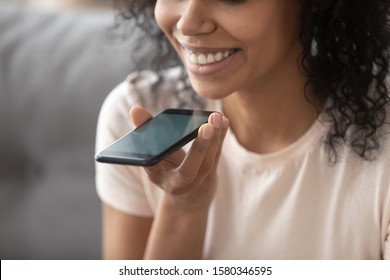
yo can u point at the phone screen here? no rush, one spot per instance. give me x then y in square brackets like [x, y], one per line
[156, 138]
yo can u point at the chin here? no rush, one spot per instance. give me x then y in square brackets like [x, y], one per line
[213, 91]
[211, 94]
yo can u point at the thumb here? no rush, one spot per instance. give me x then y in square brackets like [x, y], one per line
[139, 115]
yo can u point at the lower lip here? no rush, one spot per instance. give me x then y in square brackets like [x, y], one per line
[208, 69]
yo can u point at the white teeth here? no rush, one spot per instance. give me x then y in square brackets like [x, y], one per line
[194, 58]
[203, 59]
[218, 56]
[210, 58]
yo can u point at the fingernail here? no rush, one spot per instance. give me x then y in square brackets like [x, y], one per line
[207, 132]
[217, 119]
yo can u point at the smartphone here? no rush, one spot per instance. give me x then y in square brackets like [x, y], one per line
[157, 138]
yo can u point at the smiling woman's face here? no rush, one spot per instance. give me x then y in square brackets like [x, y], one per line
[231, 45]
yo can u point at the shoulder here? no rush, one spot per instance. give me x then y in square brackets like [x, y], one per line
[141, 88]
[145, 88]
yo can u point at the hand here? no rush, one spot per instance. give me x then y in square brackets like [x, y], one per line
[189, 179]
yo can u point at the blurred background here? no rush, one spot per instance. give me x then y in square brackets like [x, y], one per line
[58, 62]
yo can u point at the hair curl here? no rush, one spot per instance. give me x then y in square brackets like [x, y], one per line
[141, 14]
[345, 57]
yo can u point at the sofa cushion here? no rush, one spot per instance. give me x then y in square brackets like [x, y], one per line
[55, 71]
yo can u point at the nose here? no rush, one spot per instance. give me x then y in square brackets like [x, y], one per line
[195, 18]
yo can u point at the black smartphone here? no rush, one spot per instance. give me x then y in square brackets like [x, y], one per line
[155, 139]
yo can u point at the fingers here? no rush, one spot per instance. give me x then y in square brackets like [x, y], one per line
[194, 158]
[187, 169]
[206, 149]
[158, 171]
[225, 126]
[139, 115]
[210, 162]
[199, 162]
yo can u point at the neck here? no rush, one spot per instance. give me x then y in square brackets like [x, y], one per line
[270, 118]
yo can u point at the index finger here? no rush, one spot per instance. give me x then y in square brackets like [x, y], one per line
[139, 115]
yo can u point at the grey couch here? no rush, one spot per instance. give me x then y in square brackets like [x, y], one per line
[55, 71]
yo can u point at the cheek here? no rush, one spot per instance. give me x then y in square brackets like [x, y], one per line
[270, 39]
[164, 16]
[159, 15]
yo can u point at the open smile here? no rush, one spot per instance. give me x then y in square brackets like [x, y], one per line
[205, 58]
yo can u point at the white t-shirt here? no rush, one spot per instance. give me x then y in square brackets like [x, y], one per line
[291, 204]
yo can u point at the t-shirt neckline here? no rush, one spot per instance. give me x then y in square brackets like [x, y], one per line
[293, 152]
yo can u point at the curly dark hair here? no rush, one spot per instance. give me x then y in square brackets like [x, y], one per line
[140, 14]
[345, 57]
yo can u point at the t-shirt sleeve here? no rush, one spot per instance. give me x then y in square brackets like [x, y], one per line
[119, 186]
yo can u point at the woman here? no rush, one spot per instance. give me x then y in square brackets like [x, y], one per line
[278, 173]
